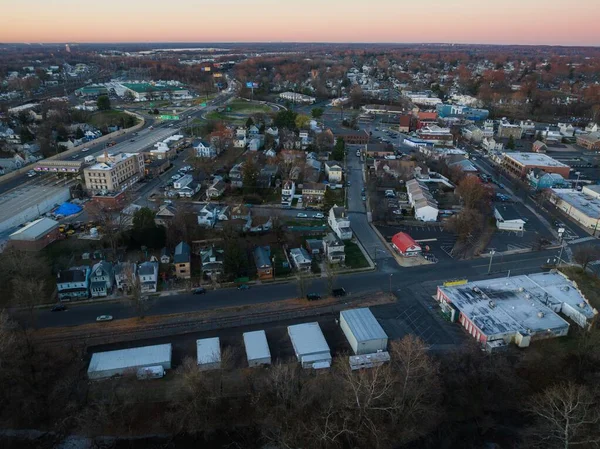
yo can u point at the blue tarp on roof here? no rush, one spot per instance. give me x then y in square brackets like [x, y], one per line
[68, 209]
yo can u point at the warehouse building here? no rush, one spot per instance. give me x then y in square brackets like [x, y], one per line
[363, 331]
[257, 348]
[128, 361]
[36, 235]
[310, 345]
[519, 309]
[208, 353]
[583, 207]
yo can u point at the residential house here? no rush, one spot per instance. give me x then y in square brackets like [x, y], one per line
[539, 147]
[236, 175]
[314, 246]
[339, 222]
[301, 260]
[182, 259]
[212, 262]
[592, 127]
[204, 149]
[165, 257]
[262, 260]
[288, 190]
[507, 218]
[396, 168]
[73, 283]
[272, 130]
[101, 279]
[240, 140]
[253, 131]
[472, 133]
[165, 214]
[216, 189]
[419, 197]
[334, 171]
[589, 141]
[304, 138]
[254, 144]
[148, 277]
[124, 273]
[210, 213]
[539, 180]
[333, 249]
[313, 192]
[490, 145]
[267, 175]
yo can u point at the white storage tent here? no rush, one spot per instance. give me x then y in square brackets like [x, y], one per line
[310, 345]
[116, 363]
[257, 348]
[208, 353]
[364, 333]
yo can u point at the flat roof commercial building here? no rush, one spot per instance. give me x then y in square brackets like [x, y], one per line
[519, 309]
[208, 353]
[363, 331]
[123, 361]
[583, 207]
[519, 164]
[114, 173]
[257, 348]
[589, 141]
[310, 345]
[36, 235]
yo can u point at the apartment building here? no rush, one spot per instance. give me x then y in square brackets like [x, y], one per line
[114, 173]
[519, 164]
[507, 130]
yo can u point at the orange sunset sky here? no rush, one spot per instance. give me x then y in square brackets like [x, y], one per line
[573, 22]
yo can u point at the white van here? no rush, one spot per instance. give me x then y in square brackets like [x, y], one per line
[89, 159]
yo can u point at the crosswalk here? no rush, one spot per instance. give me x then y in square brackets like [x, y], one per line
[582, 240]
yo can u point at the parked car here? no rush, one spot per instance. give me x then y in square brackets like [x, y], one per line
[364, 198]
[338, 292]
[83, 150]
[104, 318]
[243, 287]
[313, 297]
[302, 215]
[199, 291]
[58, 308]
[319, 215]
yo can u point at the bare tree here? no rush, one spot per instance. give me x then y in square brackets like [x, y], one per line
[330, 277]
[567, 416]
[586, 254]
[113, 222]
[139, 302]
[302, 284]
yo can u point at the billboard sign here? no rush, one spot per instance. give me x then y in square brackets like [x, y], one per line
[168, 117]
[455, 282]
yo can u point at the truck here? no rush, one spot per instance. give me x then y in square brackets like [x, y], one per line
[90, 159]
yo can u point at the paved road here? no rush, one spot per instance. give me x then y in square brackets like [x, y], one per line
[401, 278]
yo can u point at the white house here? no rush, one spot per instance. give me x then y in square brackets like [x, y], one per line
[216, 189]
[254, 144]
[334, 171]
[210, 213]
[148, 276]
[124, 271]
[339, 222]
[288, 190]
[101, 279]
[419, 197]
[204, 149]
[490, 144]
[300, 259]
[508, 219]
[333, 248]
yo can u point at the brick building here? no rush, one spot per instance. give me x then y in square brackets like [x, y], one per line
[519, 164]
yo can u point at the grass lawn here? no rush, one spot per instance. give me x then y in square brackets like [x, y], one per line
[587, 283]
[101, 119]
[247, 107]
[277, 254]
[304, 222]
[220, 116]
[203, 99]
[354, 256]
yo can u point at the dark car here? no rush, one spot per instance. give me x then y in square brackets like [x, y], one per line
[313, 297]
[243, 287]
[338, 292]
[58, 308]
[199, 291]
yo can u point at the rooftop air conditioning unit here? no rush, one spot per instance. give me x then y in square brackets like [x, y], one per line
[582, 305]
[540, 314]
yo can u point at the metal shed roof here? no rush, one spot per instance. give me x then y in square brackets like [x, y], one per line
[209, 350]
[35, 229]
[130, 358]
[307, 338]
[256, 344]
[363, 324]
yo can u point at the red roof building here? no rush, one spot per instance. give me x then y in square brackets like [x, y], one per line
[405, 244]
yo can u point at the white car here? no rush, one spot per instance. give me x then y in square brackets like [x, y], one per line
[319, 215]
[397, 212]
[176, 177]
[83, 150]
[301, 215]
[104, 318]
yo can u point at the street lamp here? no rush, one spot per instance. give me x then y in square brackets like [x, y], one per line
[577, 182]
[492, 252]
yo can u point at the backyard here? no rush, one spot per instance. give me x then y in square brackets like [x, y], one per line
[354, 256]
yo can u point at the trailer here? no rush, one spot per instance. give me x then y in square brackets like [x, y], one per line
[128, 361]
[208, 353]
[363, 331]
[257, 348]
